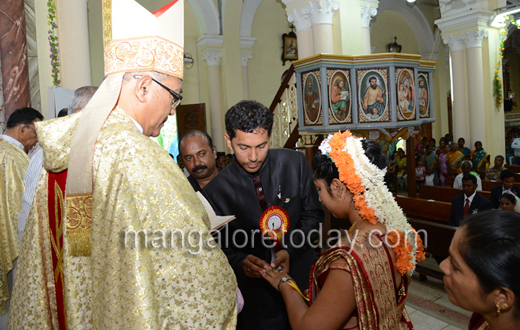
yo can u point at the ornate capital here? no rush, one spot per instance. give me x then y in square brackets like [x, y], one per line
[301, 18]
[245, 57]
[212, 58]
[322, 11]
[474, 38]
[367, 12]
[456, 43]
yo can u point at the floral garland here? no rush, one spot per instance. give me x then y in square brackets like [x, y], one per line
[53, 42]
[372, 198]
[497, 82]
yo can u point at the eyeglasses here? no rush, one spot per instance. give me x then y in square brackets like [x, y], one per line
[34, 129]
[176, 97]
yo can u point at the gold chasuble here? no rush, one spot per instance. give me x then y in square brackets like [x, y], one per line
[116, 237]
[178, 279]
[13, 164]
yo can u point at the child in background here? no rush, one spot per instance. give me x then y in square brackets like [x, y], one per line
[420, 172]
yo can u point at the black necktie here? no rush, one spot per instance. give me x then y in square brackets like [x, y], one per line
[259, 191]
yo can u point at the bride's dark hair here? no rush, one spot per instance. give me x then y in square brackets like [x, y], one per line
[323, 167]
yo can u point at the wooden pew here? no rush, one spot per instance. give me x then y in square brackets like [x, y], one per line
[430, 219]
[436, 239]
[487, 185]
[444, 194]
[514, 168]
[419, 208]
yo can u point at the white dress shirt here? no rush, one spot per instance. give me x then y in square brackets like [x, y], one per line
[470, 198]
[139, 127]
[30, 182]
[12, 140]
[457, 184]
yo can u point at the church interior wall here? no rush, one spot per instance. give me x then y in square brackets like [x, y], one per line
[381, 35]
[95, 32]
[232, 89]
[346, 28]
[441, 81]
[265, 67]
[336, 35]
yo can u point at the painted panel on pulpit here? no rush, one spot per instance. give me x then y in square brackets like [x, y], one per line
[423, 95]
[340, 105]
[312, 98]
[373, 98]
[405, 88]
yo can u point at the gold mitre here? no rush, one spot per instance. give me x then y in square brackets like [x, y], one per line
[137, 40]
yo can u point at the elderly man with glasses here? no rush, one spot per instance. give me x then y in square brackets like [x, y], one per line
[125, 242]
[18, 139]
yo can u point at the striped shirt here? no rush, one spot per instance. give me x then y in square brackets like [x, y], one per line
[30, 181]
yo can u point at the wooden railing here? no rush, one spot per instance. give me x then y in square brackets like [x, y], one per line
[285, 114]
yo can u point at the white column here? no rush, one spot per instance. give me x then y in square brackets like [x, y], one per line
[245, 57]
[477, 109]
[367, 12]
[215, 99]
[460, 118]
[301, 18]
[321, 19]
[73, 43]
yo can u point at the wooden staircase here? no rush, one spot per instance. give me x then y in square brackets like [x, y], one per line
[285, 119]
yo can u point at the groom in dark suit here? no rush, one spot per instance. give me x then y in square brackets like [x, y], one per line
[508, 183]
[469, 202]
[256, 180]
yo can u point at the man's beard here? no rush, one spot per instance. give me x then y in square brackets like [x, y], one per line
[373, 86]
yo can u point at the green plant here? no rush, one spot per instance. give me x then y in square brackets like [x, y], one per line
[53, 42]
[497, 82]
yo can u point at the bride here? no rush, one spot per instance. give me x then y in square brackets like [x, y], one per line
[362, 282]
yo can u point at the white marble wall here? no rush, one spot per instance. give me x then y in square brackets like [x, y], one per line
[32, 54]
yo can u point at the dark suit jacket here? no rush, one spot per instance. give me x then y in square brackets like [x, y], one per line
[496, 192]
[232, 192]
[194, 183]
[478, 204]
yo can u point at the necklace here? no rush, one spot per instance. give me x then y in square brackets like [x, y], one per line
[351, 229]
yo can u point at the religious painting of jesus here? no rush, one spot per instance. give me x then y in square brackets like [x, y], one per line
[372, 95]
[405, 93]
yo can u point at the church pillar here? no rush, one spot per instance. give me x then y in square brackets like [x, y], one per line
[476, 102]
[245, 57]
[321, 12]
[74, 43]
[367, 12]
[301, 18]
[13, 51]
[246, 50]
[215, 98]
[460, 117]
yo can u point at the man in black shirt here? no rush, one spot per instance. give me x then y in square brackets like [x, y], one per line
[258, 179]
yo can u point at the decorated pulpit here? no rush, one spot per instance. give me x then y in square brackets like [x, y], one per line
[383, 97]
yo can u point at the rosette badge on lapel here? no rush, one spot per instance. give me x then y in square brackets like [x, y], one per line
[274, 223]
